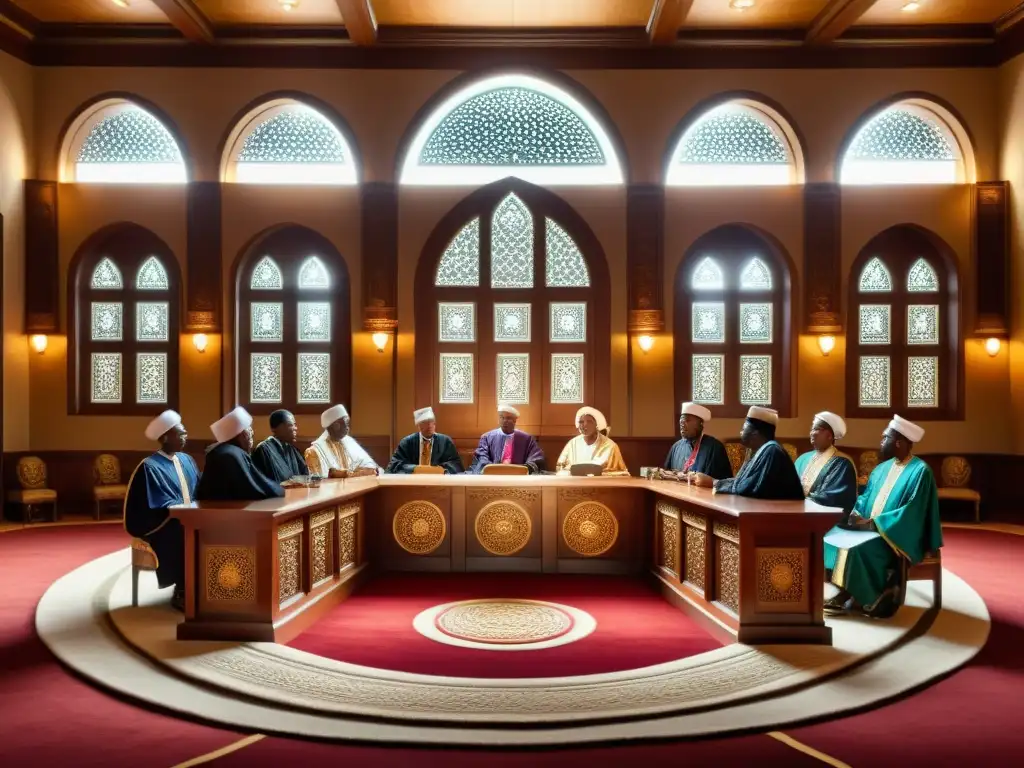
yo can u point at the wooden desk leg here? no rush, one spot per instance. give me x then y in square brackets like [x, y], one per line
[191, 573]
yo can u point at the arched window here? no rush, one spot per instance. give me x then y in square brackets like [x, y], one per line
[292, 324]
[736, 143]
[117, 141]
[287, 142]
[511, 306]
[123, 310]
[904, 327]
[733, 323]
[910, 142]
[511, 125]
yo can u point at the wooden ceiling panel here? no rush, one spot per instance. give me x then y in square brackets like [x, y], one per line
[778, 14]
[92, 11]
[937, 12]
[270, 12]
[513, 13]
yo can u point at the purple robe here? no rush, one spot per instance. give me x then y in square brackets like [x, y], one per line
[524, 451]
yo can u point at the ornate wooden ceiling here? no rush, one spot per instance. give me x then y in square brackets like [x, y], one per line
[464, 33]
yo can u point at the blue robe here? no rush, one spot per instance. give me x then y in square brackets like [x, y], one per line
[230, 475]
[768, 474]
[524, 451]
[711, 460]
[153, 487]
[835, 485]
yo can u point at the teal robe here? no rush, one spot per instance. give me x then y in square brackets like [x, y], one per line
[907, 526]
[835, 485]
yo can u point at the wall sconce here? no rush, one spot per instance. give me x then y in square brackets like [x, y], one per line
[826, 344]
[646, 343]
[199, 340]
[39, 342]
[380, 340]
[992, 346]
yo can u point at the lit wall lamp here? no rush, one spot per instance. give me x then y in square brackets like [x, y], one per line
[646, 343]
[826, 344]
[380, 340]
[992, 346]
[199, 341]
[38, 342]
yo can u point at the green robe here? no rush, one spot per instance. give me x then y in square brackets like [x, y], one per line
[907, 526]
[835, 485]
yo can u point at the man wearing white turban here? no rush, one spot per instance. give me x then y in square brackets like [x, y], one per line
[425, 447]
[769, 472]
[336, 453]
[828, 476]
[696, 451]
[507, 445]
[592, 446]
[894, 523]
[229, 474]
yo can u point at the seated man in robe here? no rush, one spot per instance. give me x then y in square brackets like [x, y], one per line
[166, 478]
[894, 524]
[277, 457]
[336, 453]
[696, 451]
[769, 472]
[828, 476]
[507, 445]
[426, 447]
[592, 446]
[229, 474]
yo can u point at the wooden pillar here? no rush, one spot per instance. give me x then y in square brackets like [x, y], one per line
[645, 215]
[822, 258]
[380, 256]
[42, 257]
[204, 258]
[992, 258]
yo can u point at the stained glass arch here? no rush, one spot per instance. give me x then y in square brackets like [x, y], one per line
[266, 276]
[736, 143]
[707, 276]
[313, 274]
[875, 277]
[106, 276]
[120, 142]
[511, 125]
[152, 276]
[922, 277]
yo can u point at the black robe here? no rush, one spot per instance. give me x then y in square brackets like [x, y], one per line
[712, 460]
[230, 475]
[279, 461]
[769, 474]
[442, 454]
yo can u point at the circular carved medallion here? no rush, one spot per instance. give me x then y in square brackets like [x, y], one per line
[503, 527]
[419, 527]
[228, 576]
[781, 576]
[590, 528]
[504, 621]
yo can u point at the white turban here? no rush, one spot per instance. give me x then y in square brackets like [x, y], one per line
[232, 425]
[423, 414]
[834, 421]
[763, 414]
[331, 415]
[506, 408]
[908, 429]
[693, 409]
[162, 424]
[602, 423]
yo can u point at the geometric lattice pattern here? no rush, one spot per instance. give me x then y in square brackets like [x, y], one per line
[265, 378]
[151, 375]
[755, 276]
[875, 324]
[512, 244]
[708, 276]
[130, 136]
[708, 322]
[313, 274]
[457, 322]
[755, 323]
[460, 262]
[922, 278]
[267, 321]
[567, 378]
[152, 276]
[106, 377]
[514, 378]
[511, 322]
[314, 377]
[456, 378]
[732, 136]
[151, 321]
[756, 379]
[709, 379]
[901, 135]
[875, 382]
[296, 136]
[875, 278]
[106, 321]
[568, 322]
[266, 276]
[314, 321]
[923, 324]
[106, 276]
[566, 267]
[923, 382]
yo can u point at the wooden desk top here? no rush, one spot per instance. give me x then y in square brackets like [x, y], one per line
[297, 500]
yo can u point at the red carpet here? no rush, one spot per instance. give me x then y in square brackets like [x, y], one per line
[635, 626]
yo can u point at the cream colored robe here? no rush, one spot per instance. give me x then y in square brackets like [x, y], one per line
[606, 453]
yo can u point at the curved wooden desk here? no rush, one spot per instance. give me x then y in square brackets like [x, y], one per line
[266, 570]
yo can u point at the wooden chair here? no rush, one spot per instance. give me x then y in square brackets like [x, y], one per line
[106, 472]
[791, 450]
[956, 473]
[929, 569]
[506, 469]
[143, 559]
[866, 465]
[34, 493]
[424, 469]
[737, 455]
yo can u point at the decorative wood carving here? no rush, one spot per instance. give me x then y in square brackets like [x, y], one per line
[822, 257]
[645, 214]
[204, 257]
[992, 256]
[380, 256]
[42, 272]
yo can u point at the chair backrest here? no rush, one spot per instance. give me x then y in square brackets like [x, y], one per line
[424, 469]
[506, 469]
[956, 472]
[106, 469]
[791, 450]
[737, 455]
[31, 472]
[866, 465]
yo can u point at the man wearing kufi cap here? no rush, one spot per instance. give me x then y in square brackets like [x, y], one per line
[507, 445]
[828, 476]
[894, 523]
[336, 453]
[277, 457]
[229, 474]
[592, 446]
[769, 472]
[425, 447]
[696, 451]
[166, 478]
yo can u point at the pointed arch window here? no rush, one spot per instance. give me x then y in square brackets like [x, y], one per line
[124, 304]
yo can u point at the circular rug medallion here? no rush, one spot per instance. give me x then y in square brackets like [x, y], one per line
[504, 624]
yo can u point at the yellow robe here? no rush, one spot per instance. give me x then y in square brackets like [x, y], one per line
[606, 453]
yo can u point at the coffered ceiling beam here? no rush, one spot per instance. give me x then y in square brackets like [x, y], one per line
[667, 16]
[360, 23]
[186, 17]
[834, 19]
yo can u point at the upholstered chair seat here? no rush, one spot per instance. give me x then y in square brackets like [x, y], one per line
[31, 471]
[955, 475]
[109, 489]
